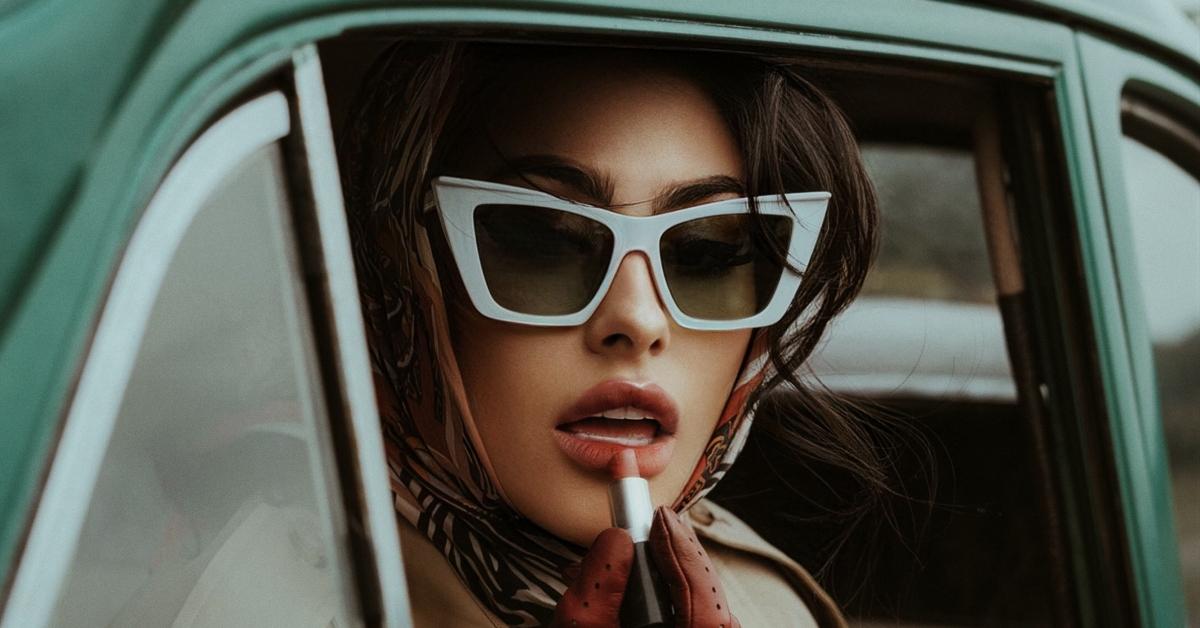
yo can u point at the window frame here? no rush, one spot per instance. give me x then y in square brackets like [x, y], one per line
[1065, 333]
[342, 342]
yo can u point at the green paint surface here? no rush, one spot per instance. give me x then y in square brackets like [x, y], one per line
[1139, 444]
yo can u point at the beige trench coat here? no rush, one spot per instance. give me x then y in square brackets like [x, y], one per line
[764, 587]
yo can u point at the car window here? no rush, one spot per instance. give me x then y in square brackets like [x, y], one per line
[1164, 201]
[978, 532]
[214, 503]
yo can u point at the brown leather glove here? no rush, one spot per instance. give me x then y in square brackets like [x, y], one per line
[593, 597]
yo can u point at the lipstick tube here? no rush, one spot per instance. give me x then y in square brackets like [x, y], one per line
[647, 602]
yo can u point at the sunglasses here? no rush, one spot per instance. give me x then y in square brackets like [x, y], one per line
[533, 258]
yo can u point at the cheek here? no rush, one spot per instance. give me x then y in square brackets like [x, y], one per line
[515, 379]
[491, 359]
[711, 356]
[707, 365]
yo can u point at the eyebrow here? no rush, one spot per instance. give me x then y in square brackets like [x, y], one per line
[598, 187]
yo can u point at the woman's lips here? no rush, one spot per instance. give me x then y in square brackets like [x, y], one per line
[617, 415]
[651, 399]
[652, 459]
[630, 433]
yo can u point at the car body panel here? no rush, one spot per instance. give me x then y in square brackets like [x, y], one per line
[1152, 24]
[1139, 445]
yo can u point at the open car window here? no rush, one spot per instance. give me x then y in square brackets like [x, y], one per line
[972, 187]
[942, 354]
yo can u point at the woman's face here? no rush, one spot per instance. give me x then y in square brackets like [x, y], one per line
[641, 140]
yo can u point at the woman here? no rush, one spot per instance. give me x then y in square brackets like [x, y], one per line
[494, 352]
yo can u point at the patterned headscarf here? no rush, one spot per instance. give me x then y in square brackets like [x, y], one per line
[441, 478]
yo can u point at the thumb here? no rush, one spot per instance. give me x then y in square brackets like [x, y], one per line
[695, 590]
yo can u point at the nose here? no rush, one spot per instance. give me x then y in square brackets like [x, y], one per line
[631, 320]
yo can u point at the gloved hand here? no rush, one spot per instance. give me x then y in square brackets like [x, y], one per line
[593, 597]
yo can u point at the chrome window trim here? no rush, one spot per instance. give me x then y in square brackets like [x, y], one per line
[1160, 129]
[54, 534]
[350, 342]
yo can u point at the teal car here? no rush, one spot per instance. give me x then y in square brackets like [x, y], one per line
[190, 435]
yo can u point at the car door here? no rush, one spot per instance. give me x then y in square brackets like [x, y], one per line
[1145, 115]
[219, 462]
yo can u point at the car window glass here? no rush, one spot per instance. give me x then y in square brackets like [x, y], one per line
[211, 506]
[933, 243]
[929, 298]
[1165, 214]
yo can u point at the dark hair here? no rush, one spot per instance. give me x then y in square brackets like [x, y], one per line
[422, 97]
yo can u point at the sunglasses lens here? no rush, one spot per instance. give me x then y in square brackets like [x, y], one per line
[541, 261]
[718, 270]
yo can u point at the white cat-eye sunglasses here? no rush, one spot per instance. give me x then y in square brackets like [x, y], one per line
[533, 258]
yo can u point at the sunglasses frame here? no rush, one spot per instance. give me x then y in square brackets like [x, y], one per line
[456, 199]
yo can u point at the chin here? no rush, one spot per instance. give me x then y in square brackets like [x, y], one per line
[583, 515]
[579, 521]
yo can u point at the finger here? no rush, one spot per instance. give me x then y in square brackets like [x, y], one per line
[689, 574]
[570, 573]
[593, 598]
